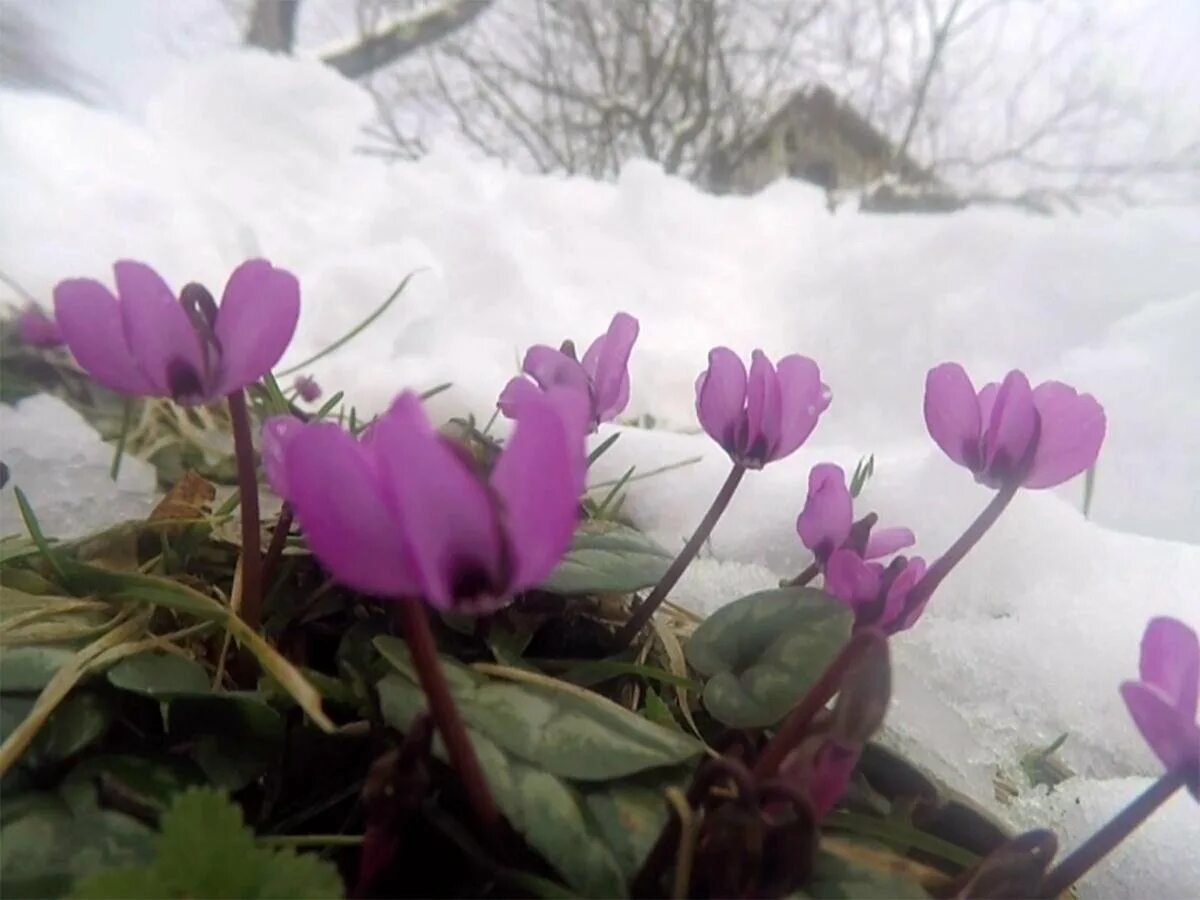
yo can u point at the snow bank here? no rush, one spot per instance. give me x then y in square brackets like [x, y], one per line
[251, 154]
[62, 466]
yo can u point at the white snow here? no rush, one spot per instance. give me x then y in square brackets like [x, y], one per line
[62, 466]
[1028, 639]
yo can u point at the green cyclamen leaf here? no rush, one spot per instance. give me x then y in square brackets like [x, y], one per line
[565, 730]
[762, 652]
[608, 558]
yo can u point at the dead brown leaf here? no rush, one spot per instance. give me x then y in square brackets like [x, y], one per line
[190, 498]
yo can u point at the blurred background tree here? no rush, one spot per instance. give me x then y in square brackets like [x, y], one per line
[948, 101]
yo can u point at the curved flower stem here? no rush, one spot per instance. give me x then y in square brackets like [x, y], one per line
[251, 611]
[796, 725]
[941, 567]
[804, 577]
[1119, 827]
[445, 715]
[278, 541]
[642, 614]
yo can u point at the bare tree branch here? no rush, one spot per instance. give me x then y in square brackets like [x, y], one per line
[273, 25]
[379, 49]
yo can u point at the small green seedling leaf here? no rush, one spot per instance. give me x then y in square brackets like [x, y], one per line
[204, 849]
[601, 448]
[862, 474]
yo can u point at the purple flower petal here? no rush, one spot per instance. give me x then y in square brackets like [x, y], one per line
[824, 523]
[607, 364]
[277, 433]
[307, 388]
[90, 320]
[336, 493]
[896, 614]
[538, 481]
[802, 400]
[1073, 427]
[1012, 425]
[573, 408]
[830, 776]
[256, 321]
[721, 397]
[763, 410]
[987, 400]
[159, 334]
[850, 579]
[445, 511]
[886, 541]
[952, 413]
[516, 392]
[1170, 661]
[1174, 739]
[553, 368]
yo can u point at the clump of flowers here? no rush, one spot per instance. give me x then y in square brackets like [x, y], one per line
[402, 513]
[847, 553]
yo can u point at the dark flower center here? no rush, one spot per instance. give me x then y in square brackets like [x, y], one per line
[1005, 469]
[871, 613]
[737, 444]
[183, 381]
[471, 581]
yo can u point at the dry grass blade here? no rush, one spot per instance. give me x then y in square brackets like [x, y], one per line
[689, 832]
[289, 677]
[60, 685]
[61, 627]
[887, 862]
[156, 591]
[677, 664]
[38, 619]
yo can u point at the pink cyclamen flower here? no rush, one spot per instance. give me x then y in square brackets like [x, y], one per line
[878, 594]
[36, 329]
[277, 434]
[827, 520]
[1163, 700]
[762, 417]
[602, 377]
[824, 775]
[145, 342]
[404, 512]
[1038, 437]
[307, 388]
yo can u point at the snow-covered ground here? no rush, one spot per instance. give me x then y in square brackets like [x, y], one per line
[1028, 639]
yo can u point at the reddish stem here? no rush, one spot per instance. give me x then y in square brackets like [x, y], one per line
[1119, 827]
[445, 715]
[251, 611]
[278, 541]
[799, 720]
[804, 577]
[941, 567]
[642, 614]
